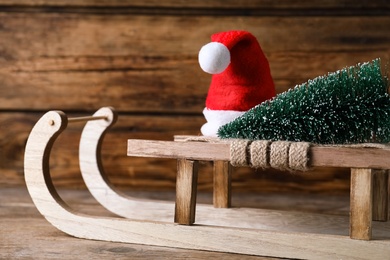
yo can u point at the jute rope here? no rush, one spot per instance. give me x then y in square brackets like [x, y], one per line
[298, 156]
[259, 154]
[263, 154]
[279, 154]
[239, 153]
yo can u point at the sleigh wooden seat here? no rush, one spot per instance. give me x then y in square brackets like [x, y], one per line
[369, 177]
[230, 229]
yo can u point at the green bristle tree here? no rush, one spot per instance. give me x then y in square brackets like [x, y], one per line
[348, 106]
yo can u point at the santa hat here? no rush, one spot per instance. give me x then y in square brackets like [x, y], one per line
[241, 76]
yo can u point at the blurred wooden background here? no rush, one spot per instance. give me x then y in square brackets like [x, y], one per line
[141, 58]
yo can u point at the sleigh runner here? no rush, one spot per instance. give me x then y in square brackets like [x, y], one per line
[203, 227]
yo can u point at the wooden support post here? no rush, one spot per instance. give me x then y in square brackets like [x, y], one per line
[222, 184]
[361, 203]
[381, 195]
[186, 188]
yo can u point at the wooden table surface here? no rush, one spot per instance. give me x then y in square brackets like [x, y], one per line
[25, 234]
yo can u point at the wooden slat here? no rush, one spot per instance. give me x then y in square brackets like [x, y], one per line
[175, 150]
[320, 155]
[202, 3]
[350, 157]
[94, 60]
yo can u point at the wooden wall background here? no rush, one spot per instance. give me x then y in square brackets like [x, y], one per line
[141, 58]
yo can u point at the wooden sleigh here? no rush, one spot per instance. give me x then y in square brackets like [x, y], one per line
[220, 228]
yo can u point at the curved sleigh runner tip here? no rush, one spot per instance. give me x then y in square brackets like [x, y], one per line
[97, 182]
[239, 235]
[114, 200]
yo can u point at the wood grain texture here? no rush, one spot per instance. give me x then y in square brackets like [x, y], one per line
[361, 203]
[186, 191]
[210, 238]
[226, 5]
[140, 58]
[222, 184]
[26, 234]
[320, 156]
[89, 61]
[380, 195]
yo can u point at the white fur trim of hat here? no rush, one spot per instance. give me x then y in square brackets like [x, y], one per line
[217, 118]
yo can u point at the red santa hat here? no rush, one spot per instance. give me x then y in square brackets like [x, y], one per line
[241, 75]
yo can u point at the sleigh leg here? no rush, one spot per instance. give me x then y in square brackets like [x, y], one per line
[222, 184]
[361, 203]
[186, 189]
[381, 195]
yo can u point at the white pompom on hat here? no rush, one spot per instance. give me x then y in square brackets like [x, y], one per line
[214, 57]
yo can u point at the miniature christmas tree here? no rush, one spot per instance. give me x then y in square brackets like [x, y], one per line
[348, 106]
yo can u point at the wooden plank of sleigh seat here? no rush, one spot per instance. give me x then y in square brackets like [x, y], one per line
[381, 195]
[320, 156]
[363, 201]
